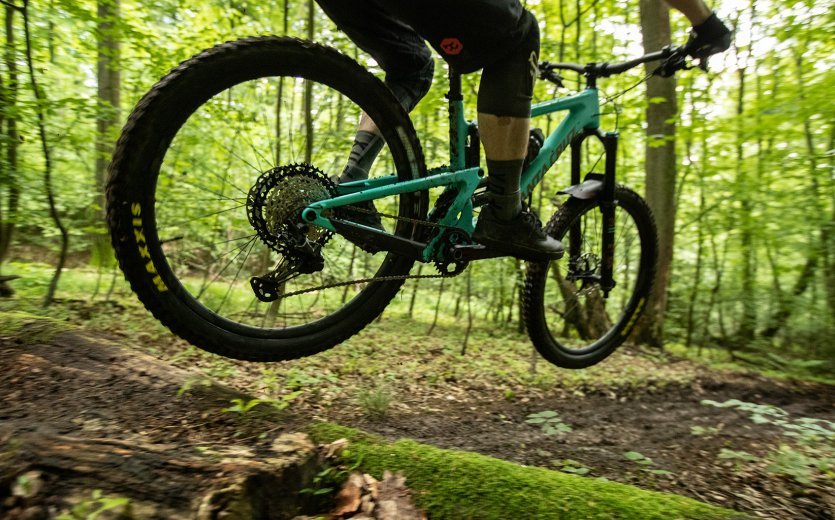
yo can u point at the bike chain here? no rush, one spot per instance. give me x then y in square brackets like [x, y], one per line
[440, 206]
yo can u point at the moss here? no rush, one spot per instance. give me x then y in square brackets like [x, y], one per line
[462, 485]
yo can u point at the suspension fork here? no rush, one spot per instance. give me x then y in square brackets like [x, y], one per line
[606, 198]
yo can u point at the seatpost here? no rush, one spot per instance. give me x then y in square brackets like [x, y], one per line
[457, 123]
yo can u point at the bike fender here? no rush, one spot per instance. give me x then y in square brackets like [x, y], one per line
[588, 189]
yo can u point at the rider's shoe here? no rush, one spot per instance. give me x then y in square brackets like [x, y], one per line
[522, 236]
[365, 214]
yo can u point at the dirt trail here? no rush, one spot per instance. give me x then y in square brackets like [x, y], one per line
[656, 423]
[80, 416]
[71, 386]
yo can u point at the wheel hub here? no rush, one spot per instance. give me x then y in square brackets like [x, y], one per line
[274, 205]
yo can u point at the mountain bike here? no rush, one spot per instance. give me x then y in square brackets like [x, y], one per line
[226, 222]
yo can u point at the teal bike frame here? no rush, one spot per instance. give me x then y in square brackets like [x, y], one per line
[583, 119]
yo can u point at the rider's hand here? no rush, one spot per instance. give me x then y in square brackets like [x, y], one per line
[709, 37]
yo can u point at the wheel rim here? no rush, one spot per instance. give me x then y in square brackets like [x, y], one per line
[210, 250]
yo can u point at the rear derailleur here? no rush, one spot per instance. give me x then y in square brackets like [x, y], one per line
[305, 258]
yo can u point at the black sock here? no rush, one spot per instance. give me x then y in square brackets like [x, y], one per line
[365, 150]
[503, 187]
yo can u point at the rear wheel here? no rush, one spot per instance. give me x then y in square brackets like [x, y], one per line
[568, 319]
[210, 175]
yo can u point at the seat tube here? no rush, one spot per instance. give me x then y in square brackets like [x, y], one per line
[607, 208]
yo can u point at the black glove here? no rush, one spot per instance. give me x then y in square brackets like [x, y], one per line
[709, 37]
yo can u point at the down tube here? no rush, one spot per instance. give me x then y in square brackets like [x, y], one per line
[584, 113]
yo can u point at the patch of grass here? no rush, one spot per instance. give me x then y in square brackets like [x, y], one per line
[30, 328]
[460, 485]
[376, 401]
[550, 422]
[809, 460]
[769, 364]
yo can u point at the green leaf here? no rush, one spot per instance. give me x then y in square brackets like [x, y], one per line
[658, 471]
[633, 455]
[727, 454]
[547, 414]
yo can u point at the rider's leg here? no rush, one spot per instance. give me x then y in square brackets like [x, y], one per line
[399, 51]
[408, 87]
[695, 10]
[504, 104]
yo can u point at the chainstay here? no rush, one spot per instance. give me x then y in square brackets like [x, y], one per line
[427, 223]
[378, 279]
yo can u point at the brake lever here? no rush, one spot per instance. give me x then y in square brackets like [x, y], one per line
[548, 74]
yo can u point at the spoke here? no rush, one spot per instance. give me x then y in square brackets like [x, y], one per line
[204, 216]
[260, 157]
[203, 167]
[235, 279]
[236, 156]
[219, 196]
[213, 280]
[202, 246]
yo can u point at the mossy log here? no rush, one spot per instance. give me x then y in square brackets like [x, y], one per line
[458, 485]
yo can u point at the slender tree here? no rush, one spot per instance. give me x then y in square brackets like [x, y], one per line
[660, 165]
[10, 143]
[107, 119]
[41, 102]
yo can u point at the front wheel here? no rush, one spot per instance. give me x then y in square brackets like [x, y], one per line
[568, 318]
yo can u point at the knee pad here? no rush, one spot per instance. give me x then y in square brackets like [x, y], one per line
[506, 87]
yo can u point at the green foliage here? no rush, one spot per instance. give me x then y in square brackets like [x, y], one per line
[30, 328]
[243, 408]
[812, 454]
[801, 465]
[572, 466]
[329, 479]
[643, 460]
[93, 507]
[550, 422]
[190, 383]
[704, 431]
[376, 401]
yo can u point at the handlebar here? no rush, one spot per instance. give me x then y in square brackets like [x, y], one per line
[674, 60]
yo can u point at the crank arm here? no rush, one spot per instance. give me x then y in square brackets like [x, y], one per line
[470, 252]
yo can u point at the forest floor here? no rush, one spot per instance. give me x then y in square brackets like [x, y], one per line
[637, 418]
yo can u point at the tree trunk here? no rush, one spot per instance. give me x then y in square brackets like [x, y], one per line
[788, 304]
[50, 195]
[437, 308]
[414, 292]
[828, 234]
[469, 312]
[308, 92]
[660, 166]
[109, 83]
[8, 125]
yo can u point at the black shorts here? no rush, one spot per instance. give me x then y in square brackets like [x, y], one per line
[468, 34]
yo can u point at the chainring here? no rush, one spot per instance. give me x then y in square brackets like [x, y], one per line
[445, 263]
[274, 205]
